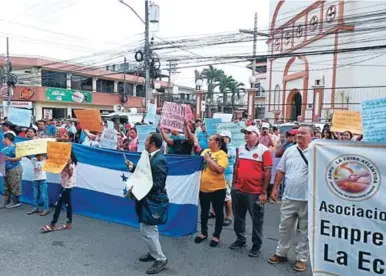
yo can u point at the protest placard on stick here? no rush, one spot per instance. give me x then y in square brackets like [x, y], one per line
[173, 116]
[58, 155]
[89, 119]
[345, 120]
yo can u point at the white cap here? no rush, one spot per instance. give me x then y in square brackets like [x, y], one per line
[226, 133]
[265, 125]
[251, 129]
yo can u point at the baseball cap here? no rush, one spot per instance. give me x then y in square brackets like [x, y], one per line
[292, 132]
[251, 129]
[226, 133]
[264, 125]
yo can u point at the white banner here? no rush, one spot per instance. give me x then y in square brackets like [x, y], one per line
[19, 104]
[142, 179]
[347, 208]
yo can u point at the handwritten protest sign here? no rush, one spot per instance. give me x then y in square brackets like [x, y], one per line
[58, 154]
[142, 179]
[226, 118]
[235, 129]
[20, 117]
[143, 131]
[211, 125]
[89, 119]
[173, 116]
[109, 139]
[32, 147]
[151, 112]
[374, 120]
[344, 120]
[188, 112]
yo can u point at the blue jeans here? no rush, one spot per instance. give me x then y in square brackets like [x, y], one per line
[41, 185]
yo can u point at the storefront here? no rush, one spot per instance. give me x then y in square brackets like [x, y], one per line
[59, 103]
[63, 102]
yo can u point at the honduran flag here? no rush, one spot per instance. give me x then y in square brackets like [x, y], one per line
[100, 187]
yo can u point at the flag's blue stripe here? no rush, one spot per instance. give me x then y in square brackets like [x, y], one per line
[182, 217]
[114, 160]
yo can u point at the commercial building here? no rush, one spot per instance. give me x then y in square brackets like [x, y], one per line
[55, 89]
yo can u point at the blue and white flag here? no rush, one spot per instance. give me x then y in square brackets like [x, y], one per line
[100, 188]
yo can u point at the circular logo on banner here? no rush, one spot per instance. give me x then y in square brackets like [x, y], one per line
[353, 177]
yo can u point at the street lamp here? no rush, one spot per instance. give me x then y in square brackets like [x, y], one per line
[252, 81]
[157, 86]
[199, 83]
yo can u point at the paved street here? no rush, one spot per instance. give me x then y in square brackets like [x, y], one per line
[99, 248]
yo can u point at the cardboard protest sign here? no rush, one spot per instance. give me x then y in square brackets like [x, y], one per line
[226, 118]
[32, 147]
[188, 112]
[142, 179]
[58, 154]
[374, 120]
[211, 125]
[151, 112]
[345, 120]
[89, 119]
[235, 129]
[143, 131]
[173, 116]
[109, 139]
[19, 116]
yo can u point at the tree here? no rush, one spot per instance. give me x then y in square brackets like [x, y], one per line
[236, 88]
[211, 75]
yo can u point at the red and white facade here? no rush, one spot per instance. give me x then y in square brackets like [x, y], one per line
[309, 65]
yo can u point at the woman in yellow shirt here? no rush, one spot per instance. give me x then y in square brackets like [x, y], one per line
[213, 187]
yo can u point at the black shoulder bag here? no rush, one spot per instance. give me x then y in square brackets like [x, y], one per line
[302, 155]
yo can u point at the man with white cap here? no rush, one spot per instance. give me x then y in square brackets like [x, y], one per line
[266, 138]
[227, 135]
[251, 180]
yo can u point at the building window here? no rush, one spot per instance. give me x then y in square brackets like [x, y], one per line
[54, 79]
[129, 88]
[259, 112]
[141, 91]
[81, 83]
[54, 113]
[105, 86]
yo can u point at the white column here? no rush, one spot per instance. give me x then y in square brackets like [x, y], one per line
[134, 89]
[115, 86]
[69, 81]
[94, 84]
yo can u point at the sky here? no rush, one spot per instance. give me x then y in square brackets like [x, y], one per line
[104, 31]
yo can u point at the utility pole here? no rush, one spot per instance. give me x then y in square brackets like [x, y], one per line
[171, 70]
[255, 34]
[147, 54]
[9, 69]
[124, 77]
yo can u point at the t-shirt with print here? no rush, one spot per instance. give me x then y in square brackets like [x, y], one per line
[10, 152]
[39, 173]
[68, 181]
[210, 180]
